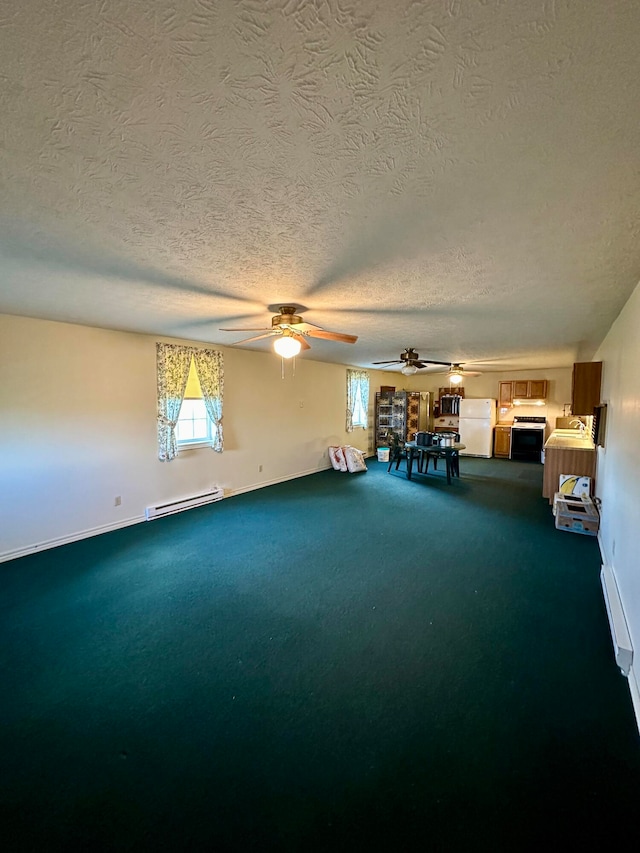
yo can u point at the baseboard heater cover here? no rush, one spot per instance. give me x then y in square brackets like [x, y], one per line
[622, 648]
[158, 510]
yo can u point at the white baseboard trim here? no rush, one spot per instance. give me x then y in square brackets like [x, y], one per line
[263, 485]
[72, 537]
[635, 695]
[603, 557]
[634, 688]
[127, 522]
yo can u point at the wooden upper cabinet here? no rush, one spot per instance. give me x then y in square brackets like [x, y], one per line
[538, 389]
[505, 394]
[585, 387]
[523, 389]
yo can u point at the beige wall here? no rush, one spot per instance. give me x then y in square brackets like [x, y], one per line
[78, 427]
[618, 474]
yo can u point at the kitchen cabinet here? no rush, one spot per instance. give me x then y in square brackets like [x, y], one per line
[521, 389]
[505, 395]
[585, 387]
[502, 441]
[558, 460]
[538, 389]
[530, 389]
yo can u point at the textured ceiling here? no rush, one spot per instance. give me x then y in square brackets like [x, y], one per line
[457, 176]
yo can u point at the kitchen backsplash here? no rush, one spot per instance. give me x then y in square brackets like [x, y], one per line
[506, 415]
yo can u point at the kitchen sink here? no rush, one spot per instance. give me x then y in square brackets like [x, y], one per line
[572, 433]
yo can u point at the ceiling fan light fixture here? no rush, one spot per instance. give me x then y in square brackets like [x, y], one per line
[409, 369]
[286, 346]
[455, 377]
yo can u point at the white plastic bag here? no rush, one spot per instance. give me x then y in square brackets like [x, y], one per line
[336, 455]
[354, 459]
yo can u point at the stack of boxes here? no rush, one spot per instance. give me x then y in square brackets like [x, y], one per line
[573, 507]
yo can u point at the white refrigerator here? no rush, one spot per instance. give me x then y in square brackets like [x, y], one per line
[477, 420]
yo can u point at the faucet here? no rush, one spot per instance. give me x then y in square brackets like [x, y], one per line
[581, 426]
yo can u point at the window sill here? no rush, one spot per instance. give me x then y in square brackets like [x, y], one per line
[193, 445]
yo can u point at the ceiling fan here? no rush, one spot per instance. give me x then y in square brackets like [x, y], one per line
[456, 374]
[291, 333]
[455, 367]
[411, 361]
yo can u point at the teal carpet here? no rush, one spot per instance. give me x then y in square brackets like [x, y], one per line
[337, 663]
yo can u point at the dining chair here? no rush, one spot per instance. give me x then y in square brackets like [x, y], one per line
[396, 453]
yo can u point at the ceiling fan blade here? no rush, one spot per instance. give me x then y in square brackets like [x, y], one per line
[247, 329]
[304, 327]
[301, 340]
[256, 338]
[332, 336]
[393, 361]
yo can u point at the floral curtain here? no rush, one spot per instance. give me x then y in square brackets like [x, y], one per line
[357, 394]
[173, 362]
[210, 370]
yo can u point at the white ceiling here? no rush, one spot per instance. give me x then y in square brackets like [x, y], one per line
[458, 176]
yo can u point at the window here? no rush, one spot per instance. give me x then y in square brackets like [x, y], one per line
[359, 417]
[194, 424]
[357, 399]
[197, 375]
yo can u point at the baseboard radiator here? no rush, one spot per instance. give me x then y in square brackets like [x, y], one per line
[158, 510]
[622, 648]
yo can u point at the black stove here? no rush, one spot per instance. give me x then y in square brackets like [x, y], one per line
[527, 422]
[527, 438]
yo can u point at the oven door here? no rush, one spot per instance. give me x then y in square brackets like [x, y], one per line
[526, 444]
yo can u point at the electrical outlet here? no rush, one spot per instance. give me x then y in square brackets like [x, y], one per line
[117, 501]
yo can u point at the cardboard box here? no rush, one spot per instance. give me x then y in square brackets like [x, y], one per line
[577, 515]
[568, 502]
[572, 484]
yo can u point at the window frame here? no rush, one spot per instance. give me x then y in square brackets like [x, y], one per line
[193, 443]
[359, 406]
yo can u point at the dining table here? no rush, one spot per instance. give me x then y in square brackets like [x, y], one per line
[448, 452]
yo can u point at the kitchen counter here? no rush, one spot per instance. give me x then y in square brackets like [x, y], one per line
[567, 454]
[561, 439]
